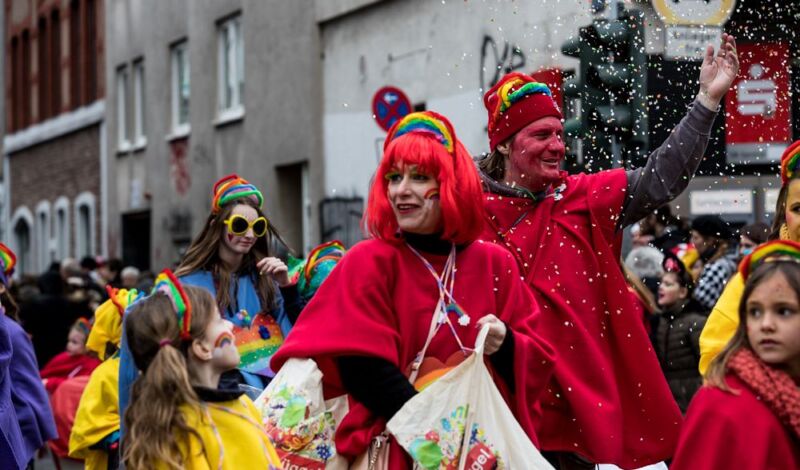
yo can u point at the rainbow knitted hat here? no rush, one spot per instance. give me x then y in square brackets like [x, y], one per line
[789, 161]
[8, 260]
[232, 187]
[168, 284]
[424, 122]
[774, 250]
[83, 325]
[514, 102]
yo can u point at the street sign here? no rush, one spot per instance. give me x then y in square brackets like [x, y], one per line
[757, 108]
[695, 12]
[689, 42]
[389, 105]
[721, 201]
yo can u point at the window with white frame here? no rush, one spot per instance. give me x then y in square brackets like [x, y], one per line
[230, 65]
[140, 140]
[123, 135]
[21, 240]
[61, 228]
[179, 54]
[43, 253]
[84, 225]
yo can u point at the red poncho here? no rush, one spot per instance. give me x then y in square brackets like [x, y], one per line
[379, 302]
[724, 430]
[66, 366]
[608, 399]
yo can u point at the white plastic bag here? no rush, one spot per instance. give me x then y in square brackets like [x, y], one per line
[297, 419]
[462, 422]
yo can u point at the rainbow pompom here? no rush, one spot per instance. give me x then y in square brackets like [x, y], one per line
[770, 250]
[425, 122]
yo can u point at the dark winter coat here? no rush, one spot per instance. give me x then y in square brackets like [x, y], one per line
[677, 344]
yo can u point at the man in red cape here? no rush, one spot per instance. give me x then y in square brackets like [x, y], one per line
[608, 401]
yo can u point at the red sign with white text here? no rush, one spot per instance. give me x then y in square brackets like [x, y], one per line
[758, 106]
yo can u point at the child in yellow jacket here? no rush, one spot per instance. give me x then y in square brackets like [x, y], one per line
[179, 417]
[95, 432]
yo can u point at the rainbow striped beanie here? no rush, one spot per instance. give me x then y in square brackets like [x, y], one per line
[232, 187]
[789, 161]
[774, 250]
[168, 284]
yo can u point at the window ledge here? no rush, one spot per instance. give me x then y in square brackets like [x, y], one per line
[229, 116]
[140, 144]
[180, 132]
[124, 147]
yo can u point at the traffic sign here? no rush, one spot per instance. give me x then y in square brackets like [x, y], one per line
[389, 105]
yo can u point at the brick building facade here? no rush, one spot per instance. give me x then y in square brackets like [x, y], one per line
[54, 114]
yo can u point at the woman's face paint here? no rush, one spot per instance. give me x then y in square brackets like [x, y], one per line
[411, 195]
[432, 194]
[219, 333]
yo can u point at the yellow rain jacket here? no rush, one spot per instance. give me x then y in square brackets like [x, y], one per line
[97, 416]
[231, 437]
[98, 411]
[722, 322]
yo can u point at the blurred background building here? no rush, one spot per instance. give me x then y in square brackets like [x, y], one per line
[120, 114]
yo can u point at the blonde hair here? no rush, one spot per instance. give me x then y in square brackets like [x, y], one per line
[203, 254]
[155, 424]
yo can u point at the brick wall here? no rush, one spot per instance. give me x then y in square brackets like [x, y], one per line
[66, 166]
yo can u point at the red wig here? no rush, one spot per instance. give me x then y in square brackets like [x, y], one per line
[460, 192]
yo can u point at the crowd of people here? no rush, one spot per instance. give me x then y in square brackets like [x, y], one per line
[599, 361]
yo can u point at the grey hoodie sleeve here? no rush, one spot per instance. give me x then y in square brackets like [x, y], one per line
[669, 168]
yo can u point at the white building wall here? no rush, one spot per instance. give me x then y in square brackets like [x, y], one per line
[433, 52]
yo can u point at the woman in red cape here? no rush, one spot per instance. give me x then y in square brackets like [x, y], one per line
[371, 317]
[747, 416]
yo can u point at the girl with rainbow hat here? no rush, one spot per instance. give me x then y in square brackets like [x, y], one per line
[724, 318]
[422, 274]
[232, 259]
[747, 415]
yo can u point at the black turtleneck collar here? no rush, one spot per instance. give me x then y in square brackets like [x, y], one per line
[225, 392]
[432, 243]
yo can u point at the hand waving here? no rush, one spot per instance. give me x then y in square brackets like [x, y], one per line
[718, 72]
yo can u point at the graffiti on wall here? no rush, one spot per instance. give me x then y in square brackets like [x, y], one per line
[498, 60]
[179, 166]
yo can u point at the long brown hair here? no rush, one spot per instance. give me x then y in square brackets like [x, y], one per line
[780, 209]
[155, 425]
[493, 165]
[718, 368]
[203, 254]
[10, 305]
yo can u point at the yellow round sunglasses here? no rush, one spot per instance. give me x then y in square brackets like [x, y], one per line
[238, 225]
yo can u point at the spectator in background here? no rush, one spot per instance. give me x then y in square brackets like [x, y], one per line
[711, 237]
[750, 236]
[129, 277]
[677, 335]
[110, 272]
[665, 230]
[645, 262]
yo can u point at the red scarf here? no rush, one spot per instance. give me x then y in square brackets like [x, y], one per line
[772, 386]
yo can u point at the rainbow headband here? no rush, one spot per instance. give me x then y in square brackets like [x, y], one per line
[516, 89]
[8, 260]
[332, 250]
[168, 284]
[789, 161]
[425, 122]
[233, 187]
[774, 250]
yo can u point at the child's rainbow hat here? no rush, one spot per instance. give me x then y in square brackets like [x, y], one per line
[776, 250]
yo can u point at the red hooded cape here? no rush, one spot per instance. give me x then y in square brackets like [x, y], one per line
[66, 366]
[724, 430]
[608, 399]
[379, 302]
